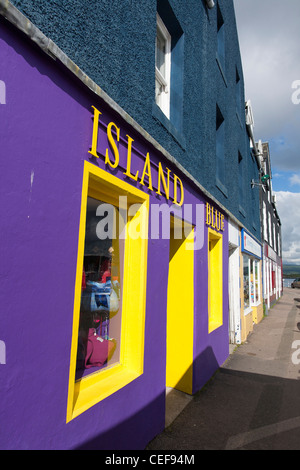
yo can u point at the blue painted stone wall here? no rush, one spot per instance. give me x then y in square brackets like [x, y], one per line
[113, 41]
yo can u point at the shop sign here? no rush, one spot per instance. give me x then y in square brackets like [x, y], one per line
[271, 254]
[249, 245]
[146, 177]
[214, 218]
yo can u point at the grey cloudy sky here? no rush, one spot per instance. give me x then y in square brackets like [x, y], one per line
[269, 37]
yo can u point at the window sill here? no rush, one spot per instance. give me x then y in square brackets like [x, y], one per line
[247, 311]
[214, 325]
[99, 386]
[158, 114]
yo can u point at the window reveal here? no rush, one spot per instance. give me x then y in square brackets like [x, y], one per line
[215, 280]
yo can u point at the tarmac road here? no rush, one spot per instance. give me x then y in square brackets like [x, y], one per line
[253, 401]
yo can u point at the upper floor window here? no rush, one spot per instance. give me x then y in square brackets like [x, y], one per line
[265, 221]
[238, 97]
[162, 67]
[274, 237]
[220, 39]
[270, 229]
[169, 69]
[241, 185]
[220, 147]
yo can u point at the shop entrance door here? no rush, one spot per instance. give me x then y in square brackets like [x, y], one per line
[180, 308]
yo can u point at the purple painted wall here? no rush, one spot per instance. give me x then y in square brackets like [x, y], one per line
[45, 133]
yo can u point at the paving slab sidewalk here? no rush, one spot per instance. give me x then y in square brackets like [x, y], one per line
[253, 401]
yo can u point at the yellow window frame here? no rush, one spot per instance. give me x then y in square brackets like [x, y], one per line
[215, 280]
[92, 389]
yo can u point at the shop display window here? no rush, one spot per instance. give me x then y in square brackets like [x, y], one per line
[256, 280]
[251, 282]
[246, 277]
[107, 349]
[101, 295]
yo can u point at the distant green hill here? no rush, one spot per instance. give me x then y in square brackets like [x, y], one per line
[291, 270]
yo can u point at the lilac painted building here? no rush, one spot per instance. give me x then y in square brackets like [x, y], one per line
[68, 155]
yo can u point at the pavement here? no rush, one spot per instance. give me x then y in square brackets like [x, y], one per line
[253, 400]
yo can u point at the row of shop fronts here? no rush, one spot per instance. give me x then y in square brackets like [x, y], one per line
[272, 274]
[245, 284]
[255, 282]
[127, 276]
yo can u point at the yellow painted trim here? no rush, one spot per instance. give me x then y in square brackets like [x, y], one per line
[215, 280]
[90, 390]
[180, 315]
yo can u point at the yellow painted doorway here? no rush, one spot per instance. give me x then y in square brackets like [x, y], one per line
[180, 308]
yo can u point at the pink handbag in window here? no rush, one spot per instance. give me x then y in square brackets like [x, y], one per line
[98, 350]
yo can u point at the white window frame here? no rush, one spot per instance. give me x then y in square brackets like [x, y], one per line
[253, 287]
[163, 99]
[270, 229]
[256, 284]
[265, 221]
[249, 308]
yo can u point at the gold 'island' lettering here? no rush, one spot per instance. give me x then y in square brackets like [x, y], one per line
[163, 181]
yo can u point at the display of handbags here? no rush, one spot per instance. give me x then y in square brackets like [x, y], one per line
[100, 301]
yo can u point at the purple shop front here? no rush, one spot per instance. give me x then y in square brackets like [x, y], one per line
[107, 246]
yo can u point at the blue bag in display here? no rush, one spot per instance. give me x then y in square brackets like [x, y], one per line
[100, 297]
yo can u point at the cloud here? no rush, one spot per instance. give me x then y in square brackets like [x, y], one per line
[295, 180]
[287, 204]
[269, 38]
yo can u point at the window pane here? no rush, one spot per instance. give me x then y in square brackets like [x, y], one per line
[257, 264]
[100, 312]
[241, 185]
[158, 92]
[252, 282]
[220, 37]
[220, 146]
[160, 52]
[246, 281]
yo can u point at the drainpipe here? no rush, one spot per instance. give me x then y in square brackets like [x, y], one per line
[210, 3]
